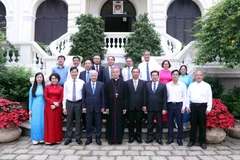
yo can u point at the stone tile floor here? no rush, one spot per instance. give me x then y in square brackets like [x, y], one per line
[23, 149]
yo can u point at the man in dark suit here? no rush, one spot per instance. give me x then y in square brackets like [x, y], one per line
[85, 76]
[136, 104]
[107, 72]
[156, 105]
[96, 66]
[93, 105]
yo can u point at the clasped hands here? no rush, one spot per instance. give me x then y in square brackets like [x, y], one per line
[124, 111]
[54, 105]
[144, 109]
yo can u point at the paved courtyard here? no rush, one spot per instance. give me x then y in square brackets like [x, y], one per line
[23, 149]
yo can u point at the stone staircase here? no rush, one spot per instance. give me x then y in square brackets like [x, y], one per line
[26, 130]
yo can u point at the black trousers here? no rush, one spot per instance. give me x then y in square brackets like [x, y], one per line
[159, 128]
[198, 119]
[135, 116]
[73, 110]
[174, 110]
[92, 117]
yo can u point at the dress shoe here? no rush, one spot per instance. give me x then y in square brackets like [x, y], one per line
[67, 141]
[83, 128]
[119, 142]
[203, 146]
[149, 141]
[98, 141]
[110, 142]
[169, 142]
[159, 141]
[179, 142]
[131, 139]
[88, 141]
[139, 140]
[144, 120]
[190, 144]
[79, 141]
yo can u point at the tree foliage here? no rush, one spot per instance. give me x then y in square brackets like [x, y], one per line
[217, 34]
[89, 40]
[143, 38]
[2, 39]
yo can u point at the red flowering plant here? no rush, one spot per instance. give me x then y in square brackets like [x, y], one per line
[219, 115]
[11, 114]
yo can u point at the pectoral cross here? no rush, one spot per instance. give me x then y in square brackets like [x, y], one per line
[116, 95]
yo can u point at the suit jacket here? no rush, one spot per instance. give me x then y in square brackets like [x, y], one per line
[136, 99]
[92, 101]
[156, 101]
[100, 72]
[106, 77]
[82, 76]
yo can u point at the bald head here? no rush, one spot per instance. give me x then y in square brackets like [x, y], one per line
[198, 76]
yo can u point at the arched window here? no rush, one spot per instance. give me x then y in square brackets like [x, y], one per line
[51, 21]
[2, 18]
[122, 22]
[181, 16]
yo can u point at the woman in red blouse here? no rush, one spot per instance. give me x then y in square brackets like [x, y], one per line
[53, 94]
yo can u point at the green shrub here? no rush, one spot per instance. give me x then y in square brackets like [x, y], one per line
[216, 85]
[15, 83]
[89, 40]
[217, 34]
[143, 38]
[232, 101]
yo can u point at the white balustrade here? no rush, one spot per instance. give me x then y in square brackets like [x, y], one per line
[62, 45]
[170, 45]
[115, 41]
[11, 54]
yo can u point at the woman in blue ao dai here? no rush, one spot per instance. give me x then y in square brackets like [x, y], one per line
[36, 109]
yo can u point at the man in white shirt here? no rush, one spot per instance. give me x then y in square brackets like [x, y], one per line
[72, 99]
[76, 63]
[126, 72]
[199, 97]
[176, 92]
[147, 67]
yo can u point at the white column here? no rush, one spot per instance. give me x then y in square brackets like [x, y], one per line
[74, 10]
[149, 9]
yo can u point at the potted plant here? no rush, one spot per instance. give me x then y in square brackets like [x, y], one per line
[218, 119]
[11, 117]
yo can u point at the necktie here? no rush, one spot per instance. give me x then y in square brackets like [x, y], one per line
[93, 88]
[97, 68]
[135, 85]
[87, 77]
[74, 91]
[154, 87]
[128, 73]
[110, 73]
[148, 75]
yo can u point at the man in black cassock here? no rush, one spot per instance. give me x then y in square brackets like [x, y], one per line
[116, 107]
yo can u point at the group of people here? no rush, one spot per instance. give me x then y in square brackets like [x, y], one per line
[83, 94]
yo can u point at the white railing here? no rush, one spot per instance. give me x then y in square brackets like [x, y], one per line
[62, 45]
[171, 46]
[29, 54]
[115, 41]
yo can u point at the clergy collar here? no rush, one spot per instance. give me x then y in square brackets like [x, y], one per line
[116, 79]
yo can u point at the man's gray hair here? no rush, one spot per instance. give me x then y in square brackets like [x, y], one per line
[93, 72]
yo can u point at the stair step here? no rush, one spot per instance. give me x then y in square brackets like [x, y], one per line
[26, 131]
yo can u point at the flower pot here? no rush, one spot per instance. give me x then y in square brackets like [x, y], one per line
[234, 131]
[215, 135]
[10, 134]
